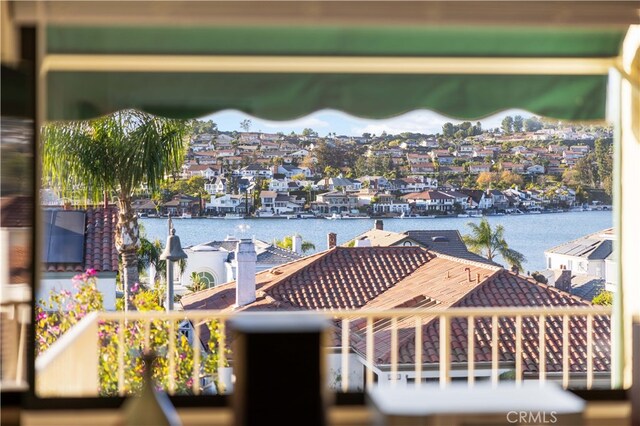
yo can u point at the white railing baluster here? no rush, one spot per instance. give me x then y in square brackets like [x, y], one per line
[518, 354]
[542, 349]
[147, 335]
[222, 355]
[565, 351]
[172, 357]
[445, 350]
[385, 322]
[589, 351]
[22, 344]
[121, 357]
[369, 378]
[345, 355]
[494, 350]
[394, 350]
[471, 350]
[195, 386]
[418, 352]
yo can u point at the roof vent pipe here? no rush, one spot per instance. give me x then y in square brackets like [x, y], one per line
[468, 273]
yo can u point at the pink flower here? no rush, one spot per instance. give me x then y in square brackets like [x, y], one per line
[91, 272]
[78, 277]
[135, 288]
[41, 315]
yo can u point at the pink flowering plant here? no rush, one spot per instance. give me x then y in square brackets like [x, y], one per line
[64, 309]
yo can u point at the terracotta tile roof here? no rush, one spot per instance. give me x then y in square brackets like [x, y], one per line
[100, 251]
[412, 277]
[507, 289]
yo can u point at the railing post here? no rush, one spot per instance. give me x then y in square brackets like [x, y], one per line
[445, 350]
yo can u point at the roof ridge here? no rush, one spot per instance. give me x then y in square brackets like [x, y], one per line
[550, 287]
[467, 261]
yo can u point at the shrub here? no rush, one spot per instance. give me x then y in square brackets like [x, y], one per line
[604, 298]
[64, 309]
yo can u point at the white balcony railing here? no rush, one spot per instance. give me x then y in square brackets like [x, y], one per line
[383, 342]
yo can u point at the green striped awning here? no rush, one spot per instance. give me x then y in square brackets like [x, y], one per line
[80, 93]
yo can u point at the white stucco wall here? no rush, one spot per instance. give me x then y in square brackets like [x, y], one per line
[334, 372]
[107, 286]
[206, 261]
[577, 265]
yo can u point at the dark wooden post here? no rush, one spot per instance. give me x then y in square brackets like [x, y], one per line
[279, 369]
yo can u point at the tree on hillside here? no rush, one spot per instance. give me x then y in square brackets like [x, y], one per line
[532, 124]
[486, 180]
[509, 179]
[604, 160]
[309, 133]
[517, 123]
[448, 130]
[488, 242]
[507, 125]
[115, 154]
[245, 124]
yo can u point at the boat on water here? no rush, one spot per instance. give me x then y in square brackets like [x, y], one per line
[185, 215]
[463, 215]
[233, 216]
[475, 215]
[334, 216]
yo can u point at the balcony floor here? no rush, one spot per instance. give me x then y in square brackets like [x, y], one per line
[598, 413]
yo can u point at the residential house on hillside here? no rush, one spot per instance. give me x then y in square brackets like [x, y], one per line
[229, 203]
[413, 277]
[181, 204]
[430, 201]
[208, 171]
[144, 207]
[375, 182]
[217, 186]
[426, 167]
[477, 168]
[335, 202]
[442, 156]
[256, 170]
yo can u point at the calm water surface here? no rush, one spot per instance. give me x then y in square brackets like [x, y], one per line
[529, 234]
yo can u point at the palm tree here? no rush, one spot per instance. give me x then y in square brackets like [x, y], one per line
[115, 154]
[489, 243]
[287, 244]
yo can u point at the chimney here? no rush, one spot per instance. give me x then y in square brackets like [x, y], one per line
[245, 272]
[297, 244]
[563, 280]
[379, 224]
[332, 240]
[364, 242]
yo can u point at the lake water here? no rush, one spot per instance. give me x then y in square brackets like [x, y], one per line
[529, 234]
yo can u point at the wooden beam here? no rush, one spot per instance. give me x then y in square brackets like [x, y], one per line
[326, 64]
[509, 13]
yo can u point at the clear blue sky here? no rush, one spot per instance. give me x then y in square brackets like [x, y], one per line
[329, 121]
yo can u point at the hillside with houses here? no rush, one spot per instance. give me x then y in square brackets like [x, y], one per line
[526, 166]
